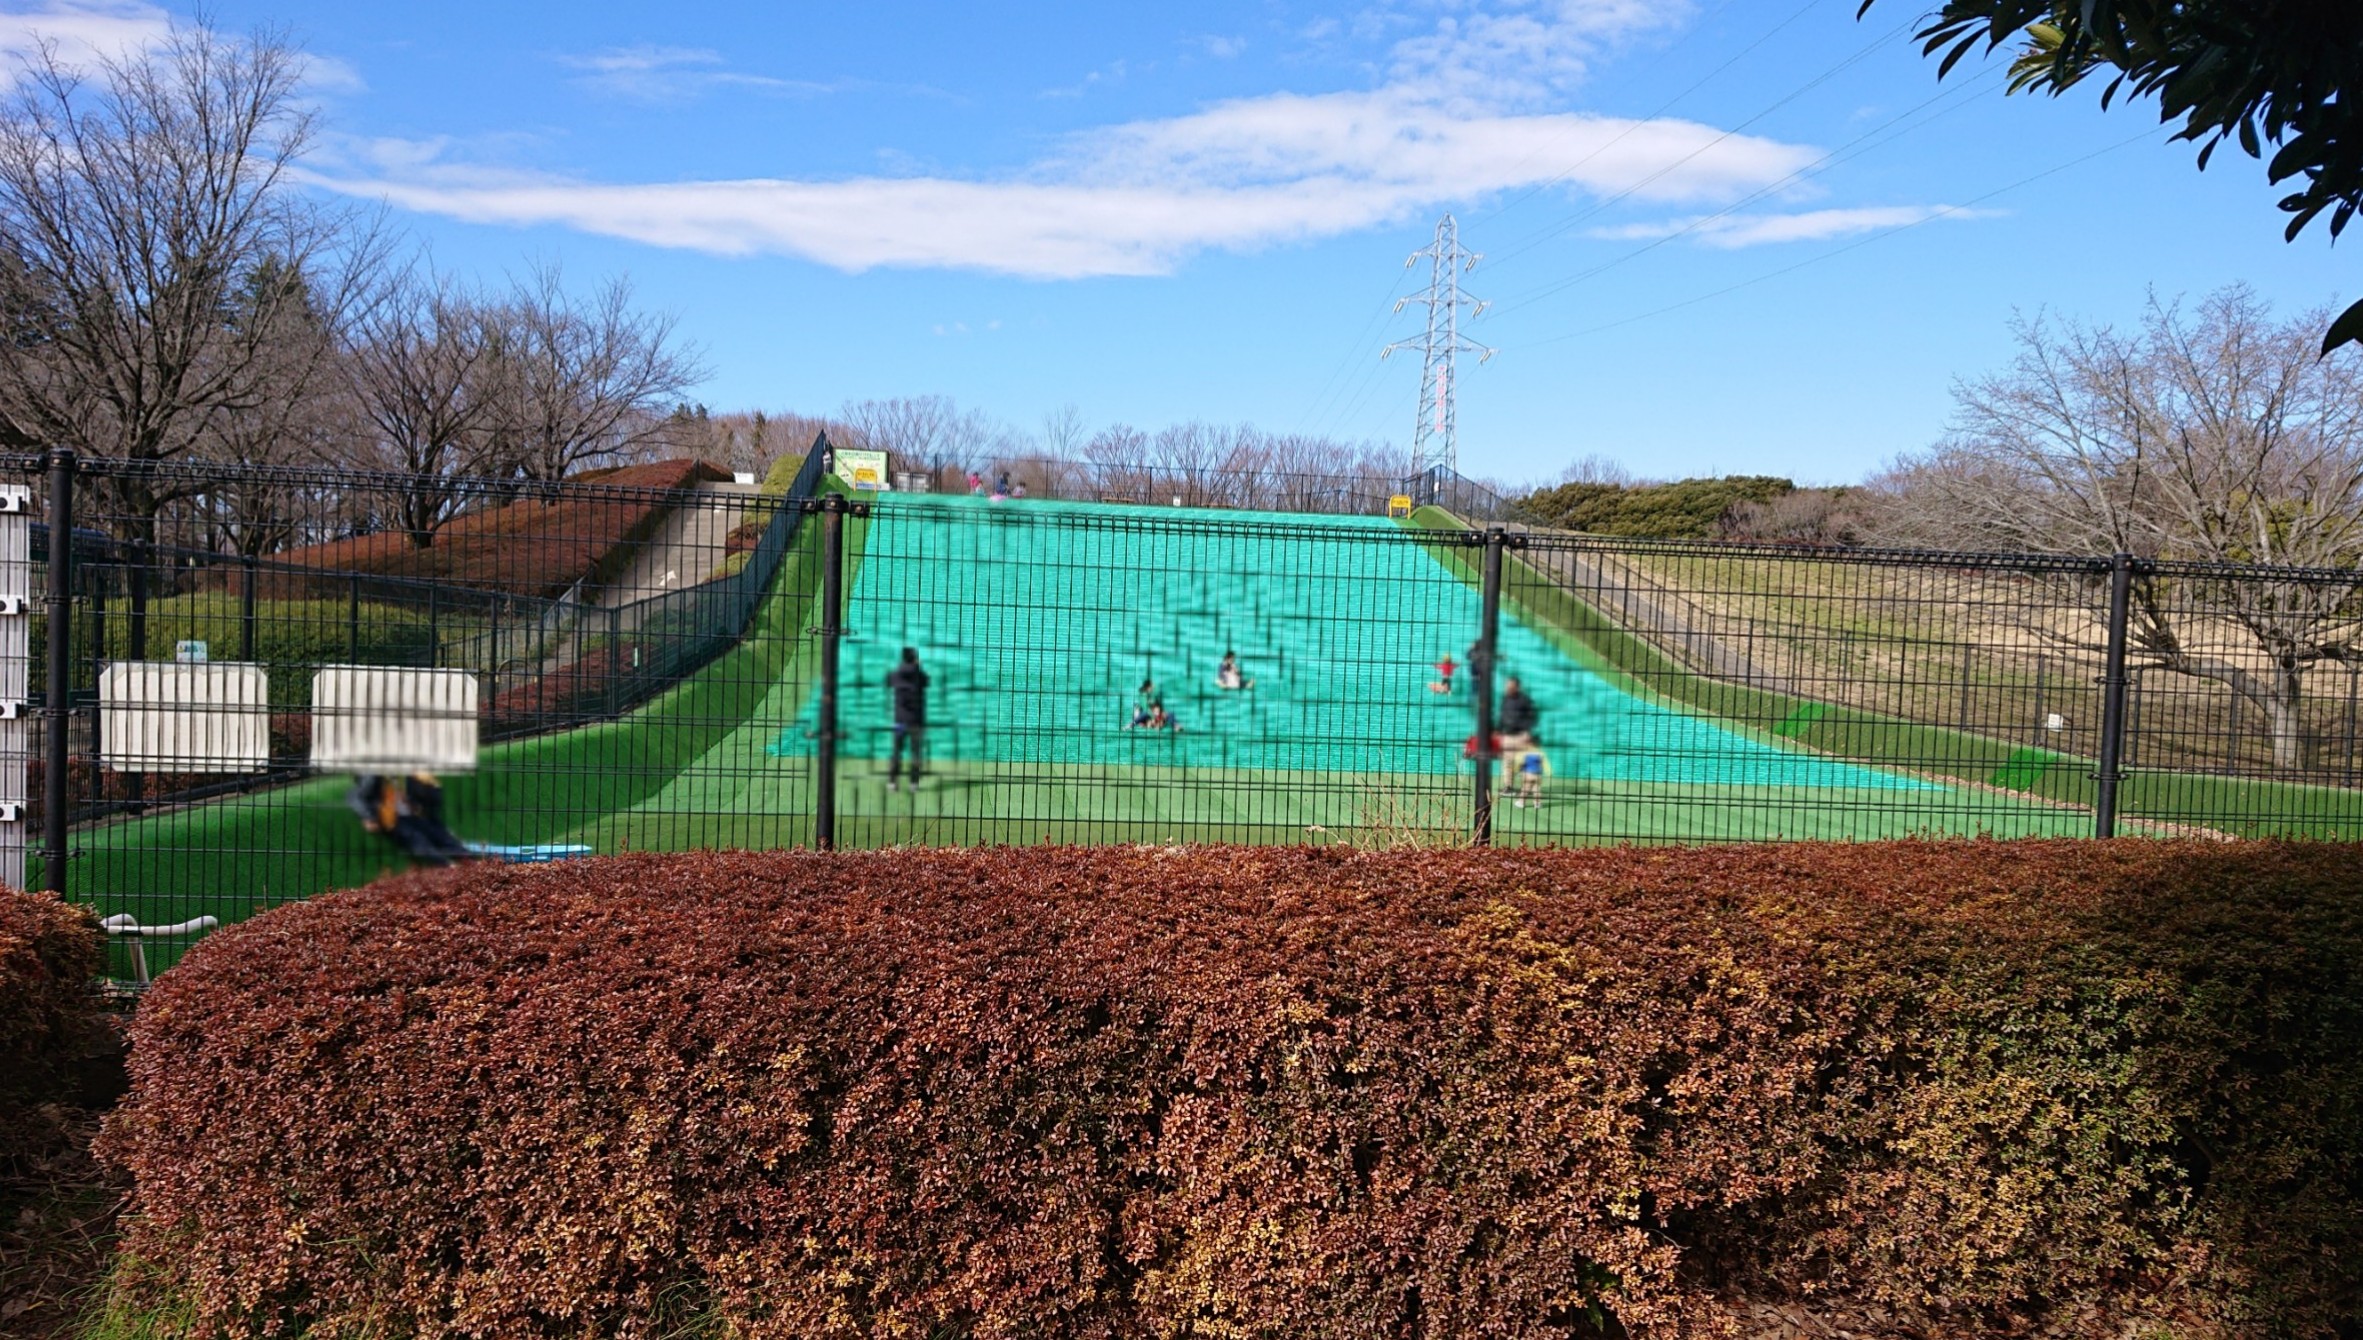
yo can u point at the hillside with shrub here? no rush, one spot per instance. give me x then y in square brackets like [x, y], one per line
[1972, 1088]
[1733, 507]
[537, 546]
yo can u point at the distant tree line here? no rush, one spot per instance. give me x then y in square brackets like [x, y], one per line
[937, 444]
[171, 294]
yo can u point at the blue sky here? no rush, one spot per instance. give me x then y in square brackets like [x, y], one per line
[1746, 235]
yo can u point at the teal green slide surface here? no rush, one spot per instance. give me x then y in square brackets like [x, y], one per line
[1036, 632]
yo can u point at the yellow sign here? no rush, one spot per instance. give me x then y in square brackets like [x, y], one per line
[861, 469]
[1399, 505]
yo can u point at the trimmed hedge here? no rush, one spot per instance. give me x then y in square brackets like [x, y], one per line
[1254, 1091]
[534, 547]
[50, 958]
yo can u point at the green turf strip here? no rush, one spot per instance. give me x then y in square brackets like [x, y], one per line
[2240, 806]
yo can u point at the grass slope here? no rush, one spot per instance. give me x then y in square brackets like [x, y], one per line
[2246, 807]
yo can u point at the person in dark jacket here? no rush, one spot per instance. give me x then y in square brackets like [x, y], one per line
[409, 813]
[1518, 712]
[908, 683]
[1515, 721]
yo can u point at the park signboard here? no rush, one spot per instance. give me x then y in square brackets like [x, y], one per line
[861, 469]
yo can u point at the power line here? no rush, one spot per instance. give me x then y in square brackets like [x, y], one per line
[1350, 395]
[1878, 236]
[1854, 148]
[1652, 114]
[1537, 238]
[1435, 439]
[1361, 341]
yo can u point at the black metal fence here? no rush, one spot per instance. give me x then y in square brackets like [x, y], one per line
[1220, 485]
[596, 668]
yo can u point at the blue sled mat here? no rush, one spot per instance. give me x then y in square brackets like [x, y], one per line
[549, 851]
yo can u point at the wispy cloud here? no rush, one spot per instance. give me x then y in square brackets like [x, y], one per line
[677, 74]
[1110, 74]
[1513, 52]
[1734, 231]
[1454, 120]
[1129, 200]
[83, 33]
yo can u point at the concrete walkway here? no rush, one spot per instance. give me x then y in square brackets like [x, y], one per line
[688, 546]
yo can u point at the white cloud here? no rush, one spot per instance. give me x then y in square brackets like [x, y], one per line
[86, 32]
[82, 34]
[673, 74]
[1113, 74]
[1134, 199]
[1731, 232]
[1515, 51]
[1454, 122]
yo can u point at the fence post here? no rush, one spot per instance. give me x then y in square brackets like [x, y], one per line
[57, 716]
[1968, 676]
[135, 783]
[2042, 734]
[2352, 669]
[615, 652]
[1488, 630]
[2112, 698]
[246, 610]
[832, 608]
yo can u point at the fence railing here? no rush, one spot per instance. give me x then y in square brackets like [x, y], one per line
[730, 670]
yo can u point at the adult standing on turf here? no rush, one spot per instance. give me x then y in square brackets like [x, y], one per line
[1515, 722]
[908, 683]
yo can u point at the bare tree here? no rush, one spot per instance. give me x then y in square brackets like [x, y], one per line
[933, 434]
[1064, 432]
[1118, 456]
[419, 363]
[155, 252]
[577, 383]
[1597, 469]
[916, 430]
[2216, 436]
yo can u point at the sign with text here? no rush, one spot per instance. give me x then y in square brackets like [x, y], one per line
[862, 469]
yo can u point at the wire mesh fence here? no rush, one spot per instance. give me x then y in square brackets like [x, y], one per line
[604, 666]
[1221, 485]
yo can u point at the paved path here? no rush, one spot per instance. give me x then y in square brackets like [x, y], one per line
[687, 547]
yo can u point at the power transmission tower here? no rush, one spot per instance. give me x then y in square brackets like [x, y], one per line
[1435, 440]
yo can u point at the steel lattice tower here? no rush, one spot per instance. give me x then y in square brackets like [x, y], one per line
[1435, 440]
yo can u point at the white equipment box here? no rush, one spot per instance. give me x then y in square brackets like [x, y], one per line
[177, 716]
[377, 720]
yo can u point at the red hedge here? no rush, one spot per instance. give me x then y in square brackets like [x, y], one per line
[1273, 1092]
[50, 958]
[534, 547]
